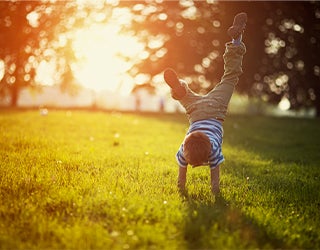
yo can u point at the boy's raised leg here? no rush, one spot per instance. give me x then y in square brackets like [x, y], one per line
[233, 56]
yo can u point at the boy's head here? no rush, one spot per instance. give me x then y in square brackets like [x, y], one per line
[197, 148]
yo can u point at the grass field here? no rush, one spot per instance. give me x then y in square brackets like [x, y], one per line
[97, 180]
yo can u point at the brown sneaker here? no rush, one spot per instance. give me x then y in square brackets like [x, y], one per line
[238, 26]
[171, 78]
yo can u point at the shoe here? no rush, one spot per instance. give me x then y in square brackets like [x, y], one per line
[238, 26]
[171, 78]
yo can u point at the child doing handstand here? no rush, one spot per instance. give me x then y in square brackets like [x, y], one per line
[206, 113]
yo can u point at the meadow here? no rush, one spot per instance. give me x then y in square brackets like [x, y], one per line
[107, 180]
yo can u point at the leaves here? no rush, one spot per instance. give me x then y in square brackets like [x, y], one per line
[185, 35]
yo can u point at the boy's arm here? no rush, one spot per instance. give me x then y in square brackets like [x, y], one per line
[215, 180]
[182, 177]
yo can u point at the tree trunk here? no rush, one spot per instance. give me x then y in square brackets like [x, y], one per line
[14, 96]
[316, 88]
[317, 100]
[317, 107]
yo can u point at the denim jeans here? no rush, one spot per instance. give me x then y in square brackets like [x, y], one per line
[215, 103]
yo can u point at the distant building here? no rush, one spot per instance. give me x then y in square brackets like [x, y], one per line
[53, 97]
[143, 98]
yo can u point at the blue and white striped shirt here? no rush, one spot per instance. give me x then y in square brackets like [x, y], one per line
[213, 129]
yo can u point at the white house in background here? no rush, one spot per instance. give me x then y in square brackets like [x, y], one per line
[141, 99]
[53, 97]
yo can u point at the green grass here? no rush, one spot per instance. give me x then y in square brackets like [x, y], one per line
[96, 180]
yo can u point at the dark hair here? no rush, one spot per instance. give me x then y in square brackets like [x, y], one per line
[197, 148]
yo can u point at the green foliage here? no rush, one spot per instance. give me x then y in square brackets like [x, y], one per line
[81, 180]
[282, 43]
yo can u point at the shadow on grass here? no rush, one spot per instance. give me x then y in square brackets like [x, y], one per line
[280, 155]
[215, 224]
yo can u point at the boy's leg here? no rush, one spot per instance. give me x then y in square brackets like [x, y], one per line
[182, 177]
[171, 78]
[232, 68]
[215, 180]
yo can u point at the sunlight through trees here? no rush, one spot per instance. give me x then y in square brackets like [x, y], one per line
[117, 45]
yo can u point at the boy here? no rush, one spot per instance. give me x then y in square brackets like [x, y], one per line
[202, 144]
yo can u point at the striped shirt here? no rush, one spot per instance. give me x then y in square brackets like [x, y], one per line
[213, 129]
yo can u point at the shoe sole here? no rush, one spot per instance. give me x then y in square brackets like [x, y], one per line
[238, 26]
[171, 78]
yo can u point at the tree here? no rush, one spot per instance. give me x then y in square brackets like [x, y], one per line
[291, 66]
[27, 31]
[281, 62]
[191, 40]
[15, 28]
[283, 45]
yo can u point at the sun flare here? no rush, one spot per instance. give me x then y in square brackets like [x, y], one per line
[104, 56]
